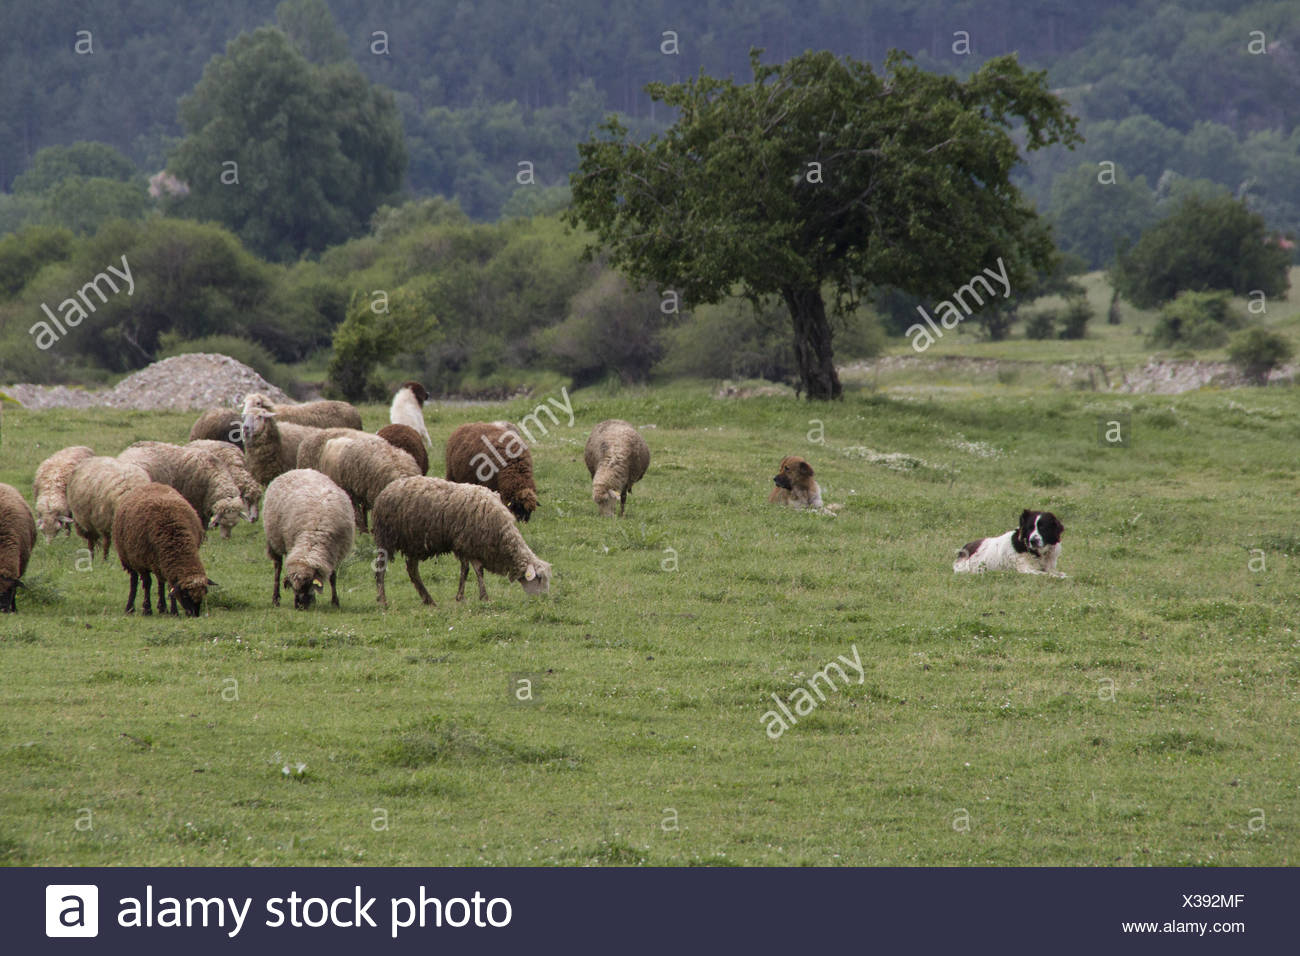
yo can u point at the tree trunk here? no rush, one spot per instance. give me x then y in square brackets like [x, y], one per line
[812, 343]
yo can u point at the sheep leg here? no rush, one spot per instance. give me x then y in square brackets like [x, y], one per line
[277, 563]
[108, 539]
[464, 573]
[130, 598]
[413, 571]
[622, 503]
[478, 570]
[380, 597]
[334, 590]
[162, 594]
[148, 597]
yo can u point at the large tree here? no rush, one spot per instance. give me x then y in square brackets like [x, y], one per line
[822, 175]
[292, 157]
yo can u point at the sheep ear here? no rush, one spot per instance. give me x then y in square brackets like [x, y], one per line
[213, 584]
[530, 574]
[213, 522]
[318, 584]
[246, 515]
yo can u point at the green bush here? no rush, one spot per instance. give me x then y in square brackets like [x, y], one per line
[1041, 325]
[1077, 315]
[1198, 320]
[611, 328]
[1258, 351]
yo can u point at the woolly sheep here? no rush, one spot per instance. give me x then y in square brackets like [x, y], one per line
[309, 451]
[218, 424]
[250, 489]
[94, 492]
[493, 454]
[51, 490]
[270, 449]
[408, 439]
[617, 457]
[423, 517]
[309, 531]
[363, 466]
[156, 531]
[408, 409]
[198, 475]
[17, 538]
[313, 414]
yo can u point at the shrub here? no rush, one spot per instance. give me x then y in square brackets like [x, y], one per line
[1077, 315]
[1199, 320]
[1041, 325]
[1258, 351]
[611, 329]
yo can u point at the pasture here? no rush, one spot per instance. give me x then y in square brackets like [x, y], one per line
[1140, 711]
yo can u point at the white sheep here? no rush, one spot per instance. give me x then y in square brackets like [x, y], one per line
[199, 476]
[617, 457]
[250, 489]
[94, 492]
[423, 517]
[364, 465]
[408, 409]
[50, 488]
[270, 447]
[309, 531]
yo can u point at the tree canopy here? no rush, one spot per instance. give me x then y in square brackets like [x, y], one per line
[822, 173]
[291, 157]
[1205, 244]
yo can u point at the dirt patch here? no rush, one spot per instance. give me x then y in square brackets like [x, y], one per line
[1155, 377]
[184, 382]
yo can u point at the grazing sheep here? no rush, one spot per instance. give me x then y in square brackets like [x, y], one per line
[94, 492]
[364, 465]
[51, 490]
[250, 489]
[312, 414]
[309, 451]
[423, 517]
[617, 457]
[270, 449]
[156, 531]
[17, 538]
[309, 531]
[198, 475]
[218, 424]
[408, 409]
[493, 454]
[408, 439]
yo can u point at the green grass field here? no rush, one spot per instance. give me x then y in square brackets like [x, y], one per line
[1141, 711]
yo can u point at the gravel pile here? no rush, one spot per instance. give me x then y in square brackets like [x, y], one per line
[194, 381]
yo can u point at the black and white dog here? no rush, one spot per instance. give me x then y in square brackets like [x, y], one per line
[1031, 548]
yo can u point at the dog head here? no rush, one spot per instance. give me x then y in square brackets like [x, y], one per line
[795, 472]
[418, 391]
[1038, 530]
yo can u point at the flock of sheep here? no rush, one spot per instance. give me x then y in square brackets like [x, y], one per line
[317, 479]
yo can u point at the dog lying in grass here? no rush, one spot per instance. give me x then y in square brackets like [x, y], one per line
[1031, 548]
[795, 485]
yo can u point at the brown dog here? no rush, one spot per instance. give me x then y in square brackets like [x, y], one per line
[795, 485]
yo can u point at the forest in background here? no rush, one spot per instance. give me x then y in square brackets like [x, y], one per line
[1190, 99]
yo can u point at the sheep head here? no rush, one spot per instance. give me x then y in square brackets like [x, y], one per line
[306, 583]
[524, 504]
[537, 577]
[227, 513]
[605, 500]
[190, 592]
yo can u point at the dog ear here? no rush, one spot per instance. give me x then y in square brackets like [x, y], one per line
[805, 469]
[1026, 518]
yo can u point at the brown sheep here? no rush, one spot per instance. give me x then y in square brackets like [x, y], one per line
[156, 531]
[17, 538]
[408, 439]
[492, 454]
